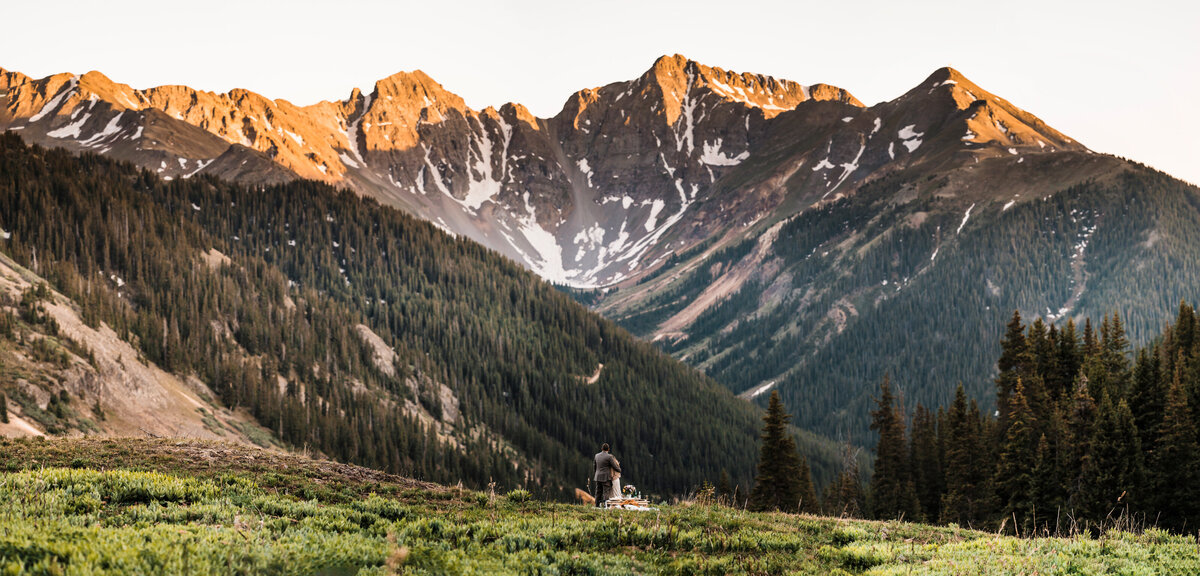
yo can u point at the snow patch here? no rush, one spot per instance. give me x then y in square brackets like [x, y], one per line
[70, 130]
[200, 165]
[53, 104]
[910, 138]
[713, 157]
[655, 208]
[909, 132]
[489, 183]
[587, 170]
[761, 389]
[111, 129]
[848, 168]
[965, 218]
[550, 264]
[352, 132]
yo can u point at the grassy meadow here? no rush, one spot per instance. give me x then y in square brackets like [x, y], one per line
[154, 506]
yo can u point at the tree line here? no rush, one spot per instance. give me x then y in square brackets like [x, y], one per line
[1085, 435]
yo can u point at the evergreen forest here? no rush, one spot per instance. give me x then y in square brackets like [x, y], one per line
[1088, 434]
[524, 383]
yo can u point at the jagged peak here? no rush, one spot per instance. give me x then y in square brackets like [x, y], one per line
[418, 86]
[770, 94]
[12, 78]
[989, 118]
[103, 87]
[518, 112]
[956, 83]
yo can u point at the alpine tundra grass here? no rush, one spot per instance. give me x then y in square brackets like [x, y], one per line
[135, 506]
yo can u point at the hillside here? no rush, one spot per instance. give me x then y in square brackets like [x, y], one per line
[122, 506]
[915, 277]
[350, 329]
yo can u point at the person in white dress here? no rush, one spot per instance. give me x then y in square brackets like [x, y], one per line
[616, 482]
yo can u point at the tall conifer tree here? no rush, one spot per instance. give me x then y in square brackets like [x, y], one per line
[926, 461]
[1068, 361]
[892, 493]
[844, 497]
[1014, 359]
[1113, 469]
[1176, 471]
[809, 504]
[777, 486]
[1148, 396]
[967, 500]
[1014, 473]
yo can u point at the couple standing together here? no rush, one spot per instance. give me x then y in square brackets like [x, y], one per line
[607, 475]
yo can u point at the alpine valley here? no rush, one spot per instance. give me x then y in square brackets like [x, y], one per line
[773, 235]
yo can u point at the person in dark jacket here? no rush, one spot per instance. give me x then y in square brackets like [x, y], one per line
[603, 467]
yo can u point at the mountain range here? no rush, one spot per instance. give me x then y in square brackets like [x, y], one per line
[773, 234]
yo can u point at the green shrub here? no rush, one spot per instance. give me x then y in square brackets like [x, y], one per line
[518, 496]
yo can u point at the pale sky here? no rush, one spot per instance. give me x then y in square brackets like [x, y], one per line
[1120, 77]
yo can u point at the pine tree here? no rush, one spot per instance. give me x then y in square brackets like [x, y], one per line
[1176, 471]
[892, 492]
[1068, 362]
[1042, 343]
[1015, 359]
[1148, 396]
[1080, 423]
[967, 500]
[1185, 327]
[777, 486]
[1090, 344]
[926, 462]
[1014, 479]
[1115, 349]
[844, 496]
[3, 408]
[1113, 469]
[724, 487]
[809, 504]
[1047, 490]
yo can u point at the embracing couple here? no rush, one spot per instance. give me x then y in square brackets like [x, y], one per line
[607, 475]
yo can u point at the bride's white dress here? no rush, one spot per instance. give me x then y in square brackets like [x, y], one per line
[616, 487]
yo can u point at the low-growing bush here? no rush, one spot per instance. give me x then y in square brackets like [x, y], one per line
[518, 496]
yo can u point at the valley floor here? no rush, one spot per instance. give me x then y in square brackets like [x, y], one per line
[137, 506]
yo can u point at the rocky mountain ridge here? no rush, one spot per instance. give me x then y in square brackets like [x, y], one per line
[625, 175]
[773, 234]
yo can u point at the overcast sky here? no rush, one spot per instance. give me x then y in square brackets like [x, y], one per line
[1120, 77]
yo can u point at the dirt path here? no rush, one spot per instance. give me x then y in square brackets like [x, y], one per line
[596, 377]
